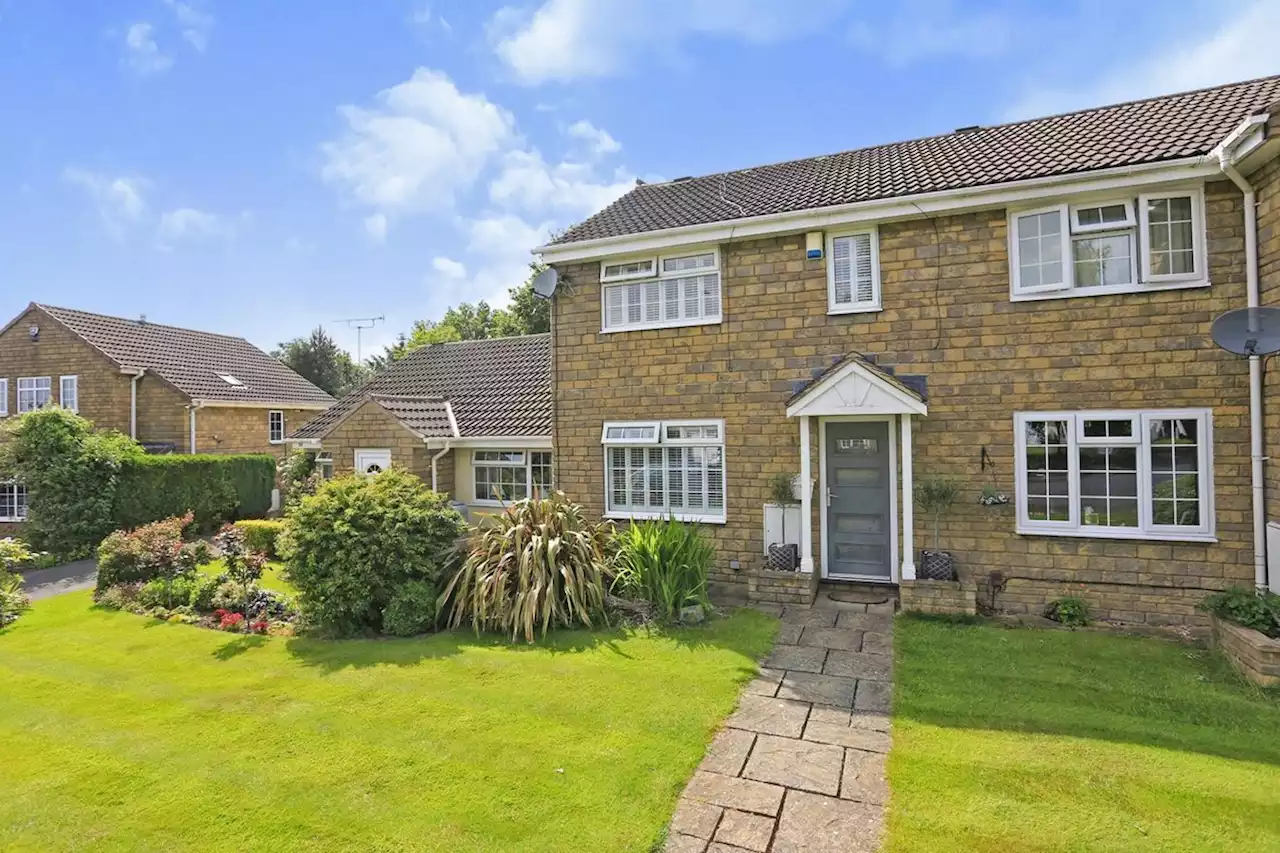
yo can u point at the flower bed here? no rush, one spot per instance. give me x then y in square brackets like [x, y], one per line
[1254, 654]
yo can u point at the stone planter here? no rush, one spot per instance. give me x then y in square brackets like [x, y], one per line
[928, 596]
[766, 586]
[1254, 654]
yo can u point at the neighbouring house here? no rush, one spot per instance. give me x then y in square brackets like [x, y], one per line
[174, 390]
[472, 418]
[1025, 308]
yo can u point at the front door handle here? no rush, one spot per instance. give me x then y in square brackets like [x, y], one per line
[831, 496]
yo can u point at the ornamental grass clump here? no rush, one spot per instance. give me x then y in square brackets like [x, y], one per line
[665, 563]
[539, 565]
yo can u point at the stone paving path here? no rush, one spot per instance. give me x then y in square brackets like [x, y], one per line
[799, 766]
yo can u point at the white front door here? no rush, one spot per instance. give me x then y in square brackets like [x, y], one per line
[372, 461]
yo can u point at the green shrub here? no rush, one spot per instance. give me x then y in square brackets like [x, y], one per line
[299, 476]
[537, 566]
[1252, 608]
[412, 609]
[167, 592]
[154, 550]
[13, 600]
[260, 535]
[1070, 610]
[119, 597]
[71, 473]
[352, 544]
[203, 590]
[665, 563]
[214, 489]
[14, 554]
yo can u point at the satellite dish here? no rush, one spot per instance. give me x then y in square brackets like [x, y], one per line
[544, 283]
[1248, 331]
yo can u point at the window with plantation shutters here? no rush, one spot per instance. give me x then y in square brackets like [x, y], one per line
[853, 276]
[657, 469]
[680, 290]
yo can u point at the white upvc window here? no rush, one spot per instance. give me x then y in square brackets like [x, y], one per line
[275, 426]
[659, 469]
[853, 272]
[69, 393]
[4, 398]
[1116, 245]
[502, 476]
[34, 392]
[13, 501]
[1116, 474]
[680, 289]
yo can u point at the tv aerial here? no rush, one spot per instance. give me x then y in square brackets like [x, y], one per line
[360, 324]
[1248, 331]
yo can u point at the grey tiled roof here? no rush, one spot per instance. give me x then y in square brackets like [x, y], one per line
[496, 387]
[1138, 132]
[426, 416]
[191, 361]
[916, 386]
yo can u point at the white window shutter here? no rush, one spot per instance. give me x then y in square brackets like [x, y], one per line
[864, 270]
[615, 309]
[842, 271]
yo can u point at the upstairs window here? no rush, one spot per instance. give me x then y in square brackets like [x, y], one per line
[653, 470]
[275, 426]
[34, 392]
[69, 393]
[671, 290]
[853, 273]
[1109, 246]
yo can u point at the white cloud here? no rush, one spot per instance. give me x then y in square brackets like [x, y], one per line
[376, 227]
[527, 182]
[925, 29]
[598, 141]
[194, 23]
[1240, 48]
[503, 242]
[422, 144]
[141, 53]
[569, 39]
[449, 268]
[119, 200]
[189, 223]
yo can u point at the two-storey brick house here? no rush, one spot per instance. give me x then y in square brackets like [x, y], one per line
[171, 389]
[1025, 308]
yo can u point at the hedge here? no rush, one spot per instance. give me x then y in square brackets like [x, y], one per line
[260, 535]
[216, 489]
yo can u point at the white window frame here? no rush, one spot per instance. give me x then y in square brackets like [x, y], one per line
[271, 426]
[608, 279]
[34, 389]
[654, 426]
[663, 441]
[75, 392]
[1138, 231]
[14, 485]
[4, 398]
[526, 463]
[854, 307]
[659, 277]
[1147, 528]
[1198, 236]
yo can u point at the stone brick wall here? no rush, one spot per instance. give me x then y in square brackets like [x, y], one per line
[371, 428]
[925, 596]
[1255, 655]
[947, 316]
[1266, 183]
[232, 429]
[770, 587]
[163, 416]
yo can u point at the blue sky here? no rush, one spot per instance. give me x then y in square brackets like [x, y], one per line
[258, 167]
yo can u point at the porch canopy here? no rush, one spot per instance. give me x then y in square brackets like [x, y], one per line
[855, 387]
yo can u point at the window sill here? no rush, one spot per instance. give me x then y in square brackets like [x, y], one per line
[276, 441]
[644, 327]
[5, 520]
[495, 504]
[660, 516]
[834, 311]
[1102, 533]
[1078, 292]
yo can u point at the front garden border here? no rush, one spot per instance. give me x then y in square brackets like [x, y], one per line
[1254, 654]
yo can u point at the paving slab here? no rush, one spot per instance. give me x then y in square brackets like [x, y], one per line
[873, 696]
[864, 621]
[695, 818]
[796, 764]
[859, 665]
[680, 843]
[797, 658]
[878, 642]
[717, 847]
[789, 635]
[745, 831]
[832, 638]
[818, 689]
[766, 683]
[746, 795]
[869, 740]
[728, 752]
[864, 777]
[770, 716]
[793, 615]
[874, 720]
[812, 823]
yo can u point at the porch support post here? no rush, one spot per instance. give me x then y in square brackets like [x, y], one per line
[806, 499]
[908, 508]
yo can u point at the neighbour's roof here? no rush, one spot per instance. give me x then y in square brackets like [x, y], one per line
[193, 362]
[1138, 132]
[498, 387]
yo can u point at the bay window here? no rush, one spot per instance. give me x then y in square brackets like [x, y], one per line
[503, 476]
[658, 468]
[653, 293]
[1125, 474]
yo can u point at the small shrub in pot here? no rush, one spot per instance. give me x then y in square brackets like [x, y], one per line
[935, 496]
[783, 556]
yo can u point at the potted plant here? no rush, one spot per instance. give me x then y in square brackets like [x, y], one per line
[783, 557]
[935, 496]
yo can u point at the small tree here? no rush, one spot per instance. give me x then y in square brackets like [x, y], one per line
[935, 496]
[781, 493]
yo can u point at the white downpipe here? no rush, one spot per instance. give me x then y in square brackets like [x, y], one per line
[192, 442]
[133, 405]
[1256, 449]
[908, 505]
[434, 459]
[806, 499]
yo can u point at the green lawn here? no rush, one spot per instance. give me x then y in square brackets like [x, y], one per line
[121, 733]
[1056, 741]
[272, 576]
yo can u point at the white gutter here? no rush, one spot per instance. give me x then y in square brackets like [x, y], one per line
[434, 483]
[133, 403]
[1228, 155]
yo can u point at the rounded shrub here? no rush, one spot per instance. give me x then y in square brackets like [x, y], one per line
[349, 547]
[260, 535]
[412, 610]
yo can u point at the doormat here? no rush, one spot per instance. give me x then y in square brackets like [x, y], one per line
[859, 596]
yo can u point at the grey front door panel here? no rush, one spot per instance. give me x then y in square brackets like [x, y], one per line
[859, 520]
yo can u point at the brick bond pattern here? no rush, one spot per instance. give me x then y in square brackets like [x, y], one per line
[947, 316]
[1266, 182]
[370, 427]
[800, 765]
